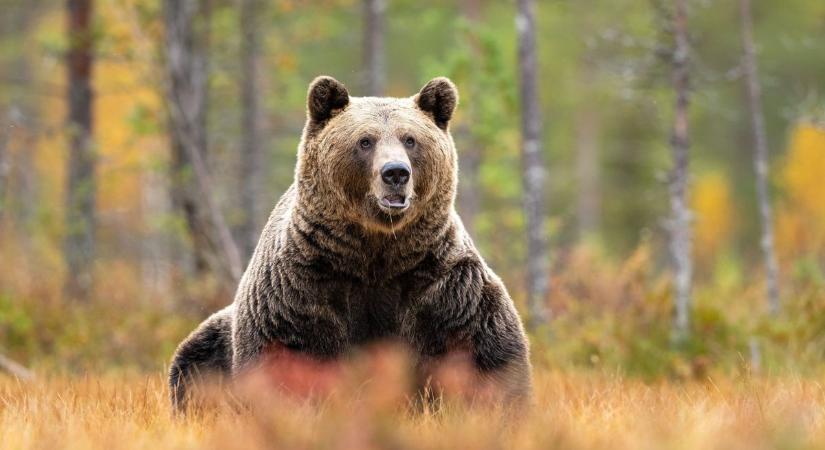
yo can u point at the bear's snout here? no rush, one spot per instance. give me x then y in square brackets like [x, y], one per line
[392, 179]
[396, 173]
[395, 176]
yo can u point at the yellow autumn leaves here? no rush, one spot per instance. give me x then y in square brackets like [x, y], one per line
[712, 204]
[801, 215]
[800, 205]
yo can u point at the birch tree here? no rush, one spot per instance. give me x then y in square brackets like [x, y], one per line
[679, 224]
[470, 154]
[373, 52]
[588, 201]
[760, 157]
[251, 152]
[587, 127]
[5, 166]
[533, 170]
[81, 189]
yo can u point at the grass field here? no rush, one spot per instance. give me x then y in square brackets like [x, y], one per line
[573, 410]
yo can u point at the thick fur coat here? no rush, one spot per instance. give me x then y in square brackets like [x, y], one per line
[350, 256]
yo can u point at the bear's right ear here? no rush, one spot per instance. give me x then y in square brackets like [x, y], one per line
[326, 97]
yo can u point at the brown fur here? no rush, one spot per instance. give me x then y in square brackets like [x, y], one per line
[335, 270]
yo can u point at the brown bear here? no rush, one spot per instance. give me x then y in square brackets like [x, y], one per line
[365, 246]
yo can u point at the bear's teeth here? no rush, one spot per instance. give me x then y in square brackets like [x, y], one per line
[394, 201]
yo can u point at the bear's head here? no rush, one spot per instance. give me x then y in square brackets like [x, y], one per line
[381, 162]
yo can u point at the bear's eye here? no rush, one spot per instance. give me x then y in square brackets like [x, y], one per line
[409, 142]
[365, 143]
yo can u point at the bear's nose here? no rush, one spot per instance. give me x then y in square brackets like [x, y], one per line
[395, 173]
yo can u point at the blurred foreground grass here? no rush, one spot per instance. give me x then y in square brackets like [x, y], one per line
[573, 410]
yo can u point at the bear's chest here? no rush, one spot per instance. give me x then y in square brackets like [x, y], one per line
[375, 312]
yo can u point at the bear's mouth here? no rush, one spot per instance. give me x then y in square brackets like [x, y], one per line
[394, 202]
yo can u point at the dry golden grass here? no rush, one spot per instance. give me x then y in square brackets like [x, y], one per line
[573, 410]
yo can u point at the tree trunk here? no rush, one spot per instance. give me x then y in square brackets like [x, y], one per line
[5, 165]
[251, 154]
[680, 221]
[187, 23]
[374, 47]
[469, 185]
[79, 242]
[760, 157]
[587, 170]
[157, 255]
[26, 184]
[23, 199]
[534, 172]
[17, 177]
[470, 154]
[186, 61]
[20, 183]
[587, 122]
[15, 369]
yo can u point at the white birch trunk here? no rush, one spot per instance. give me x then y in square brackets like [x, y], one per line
[587, 171]
[374, 47]
[680, 220]
[760, 158]
[251, 151]
[534, 172]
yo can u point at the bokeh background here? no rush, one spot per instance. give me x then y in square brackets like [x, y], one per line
[606, 98]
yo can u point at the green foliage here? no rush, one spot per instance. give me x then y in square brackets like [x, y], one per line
[77, 338]
[16, 326]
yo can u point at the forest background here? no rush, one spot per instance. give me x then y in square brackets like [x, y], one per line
[111, 253]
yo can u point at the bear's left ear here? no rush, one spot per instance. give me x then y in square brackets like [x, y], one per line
[326, 96]
[438, 98]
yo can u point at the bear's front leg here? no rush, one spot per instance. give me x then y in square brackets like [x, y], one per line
[500, 346]
[248, 342]
[470, 338]
[296, 325]
[289, 354]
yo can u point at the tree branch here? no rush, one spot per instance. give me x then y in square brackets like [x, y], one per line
[15, 369]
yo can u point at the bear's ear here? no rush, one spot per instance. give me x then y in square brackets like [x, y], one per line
[326, 96]
[438, 98]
